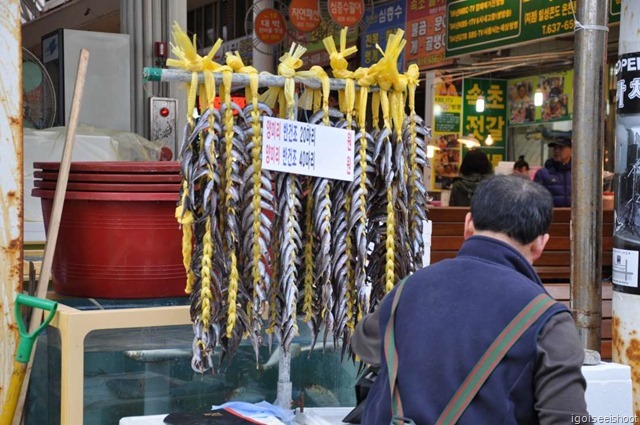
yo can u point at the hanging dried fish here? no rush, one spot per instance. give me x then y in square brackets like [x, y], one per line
[249, 252]
[340, 258]
[203, 177]
[234, 160]
[322, 226]
[416, 136]
[311, 301]
[290, 235]
[256, 225]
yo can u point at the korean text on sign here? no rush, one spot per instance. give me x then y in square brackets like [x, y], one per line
[308, 149]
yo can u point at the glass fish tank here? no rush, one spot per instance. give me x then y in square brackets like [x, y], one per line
[147, 371]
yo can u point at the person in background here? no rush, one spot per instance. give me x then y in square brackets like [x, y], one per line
[475, 167]
[556, 173]
[451, 311]
[521, 168]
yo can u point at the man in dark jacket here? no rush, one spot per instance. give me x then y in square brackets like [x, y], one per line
[450, 313]
[556, 173]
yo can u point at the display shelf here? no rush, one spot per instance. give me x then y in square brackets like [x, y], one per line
[74, 325]
[101, 360]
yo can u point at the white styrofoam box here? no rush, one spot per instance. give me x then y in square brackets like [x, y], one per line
[91, 144]
[322, 415]
[426, 237]
[609, 391]
[608, 396]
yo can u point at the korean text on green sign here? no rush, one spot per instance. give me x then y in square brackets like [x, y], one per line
[476, 25]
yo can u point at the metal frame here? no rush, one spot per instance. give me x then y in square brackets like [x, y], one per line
[74, 325]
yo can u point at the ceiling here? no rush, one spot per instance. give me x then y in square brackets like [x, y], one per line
[530, 59]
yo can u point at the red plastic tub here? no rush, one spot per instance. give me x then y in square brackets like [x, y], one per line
[110, 187]
[110, 178]
[117, 245]
[112, 167]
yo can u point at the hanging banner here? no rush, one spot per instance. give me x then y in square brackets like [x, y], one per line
[304, 15]
[426, 33]
[386, 19]
[270, 26]
[477, 25]
[492, 121]
[346, 13]
[628, 84]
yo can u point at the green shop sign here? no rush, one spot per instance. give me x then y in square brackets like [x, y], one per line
[492, 121]
[476, 25]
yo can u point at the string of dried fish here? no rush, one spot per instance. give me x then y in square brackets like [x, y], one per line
[359, 237]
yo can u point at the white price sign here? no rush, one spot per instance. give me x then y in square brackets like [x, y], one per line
[308, 149]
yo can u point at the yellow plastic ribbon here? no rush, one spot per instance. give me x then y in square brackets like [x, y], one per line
[339, 64]
[289, 63]
[387, 75]
[323, 93]
[237, 65]
[413, 79]
[365, 78]
[189, 59]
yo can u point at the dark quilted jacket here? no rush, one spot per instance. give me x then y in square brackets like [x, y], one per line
[556, 177]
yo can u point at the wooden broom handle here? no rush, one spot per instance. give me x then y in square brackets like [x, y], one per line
[61, 188]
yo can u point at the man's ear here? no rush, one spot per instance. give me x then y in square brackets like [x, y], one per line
[469, 228]
[537, 246]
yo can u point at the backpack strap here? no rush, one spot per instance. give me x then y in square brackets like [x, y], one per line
[492, 357]
[391, 354]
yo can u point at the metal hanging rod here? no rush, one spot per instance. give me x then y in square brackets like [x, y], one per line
[241, 80]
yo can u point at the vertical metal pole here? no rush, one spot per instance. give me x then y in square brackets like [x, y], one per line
[127, 23]
[625, 327]
[588, 135]
[176, 10]
[11, 185]
[262, 61]
[285, 387]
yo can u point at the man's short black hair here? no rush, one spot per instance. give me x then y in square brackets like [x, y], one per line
[513, 206]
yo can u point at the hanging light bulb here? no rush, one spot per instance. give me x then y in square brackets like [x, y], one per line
[430, 151]
[489, 140]
[469, 141]
[437, 110]
[480, 104]
[538, 98]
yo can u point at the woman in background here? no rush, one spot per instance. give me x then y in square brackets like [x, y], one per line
[475, 167]
[521, 168]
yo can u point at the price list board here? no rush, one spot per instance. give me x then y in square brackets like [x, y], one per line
[307, 149]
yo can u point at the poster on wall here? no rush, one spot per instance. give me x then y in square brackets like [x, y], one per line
[490, 122]
[520, 95]
[557, 92]
[446, 161]
[447, 109]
